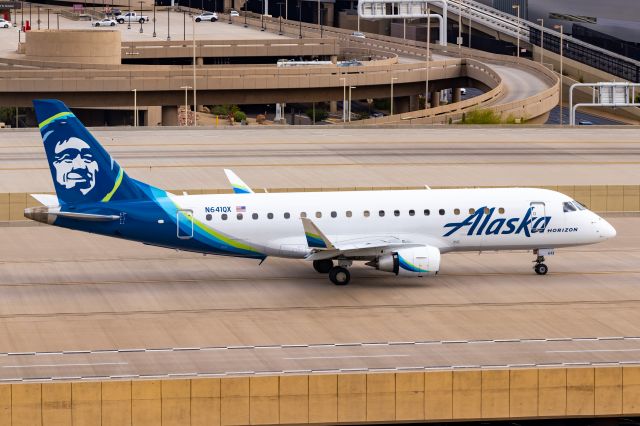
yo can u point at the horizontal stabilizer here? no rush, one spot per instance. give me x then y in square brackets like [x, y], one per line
[315, 238]
[46, 199]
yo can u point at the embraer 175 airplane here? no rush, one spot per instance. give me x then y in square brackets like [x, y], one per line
[402, 232]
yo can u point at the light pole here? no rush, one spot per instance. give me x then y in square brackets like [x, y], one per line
[38, 17]
[300, 17]
[391, 108]
[358, 14]
[184, 25]
[48, 18]
[129, 17]
[186, 105]
[319, 20]
[428, 65]
[350, 87]
[140, 19]
[135, 107]
[517, 7]
[344, 98]
[21, 14]
[541, 40]
[154, 18]
[561, 28]
[195, 105]
[459, 41]
[168, 26]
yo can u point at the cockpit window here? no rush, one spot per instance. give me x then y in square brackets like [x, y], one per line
[568, 206]
[579, 205]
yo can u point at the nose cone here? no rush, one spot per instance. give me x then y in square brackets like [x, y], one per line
[606, 230]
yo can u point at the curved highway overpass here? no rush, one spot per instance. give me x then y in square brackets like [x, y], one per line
[514, 88]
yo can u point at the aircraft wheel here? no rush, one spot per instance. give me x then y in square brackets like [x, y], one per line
[323, 266]
[339, 275]
[541, 269]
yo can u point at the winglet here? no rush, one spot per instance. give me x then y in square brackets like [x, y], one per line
[238, 185]
[315, 237]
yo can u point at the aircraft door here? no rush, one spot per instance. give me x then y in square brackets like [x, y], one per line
[538, 217]
[184, 221]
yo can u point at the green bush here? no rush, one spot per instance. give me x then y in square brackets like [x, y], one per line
[8, 115]
[481, 116]
[239, 116]
[321, 114]
[224, 109]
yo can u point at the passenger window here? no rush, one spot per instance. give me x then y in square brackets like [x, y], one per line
[456, 211]
[303, 214]
[334, 214]
[239, 216]
[568, 207]
[349, 213]
[287, 215]
[365, 213]
[224, 216]
[318, 215]
[254, 216]
[269, 215]
[396, 212]
[412, 212]
[441, 211]
[208, 217]
[381, 213]
[472, 211]
[427, 212]
[501, 210]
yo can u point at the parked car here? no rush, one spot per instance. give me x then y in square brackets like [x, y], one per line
[234, 13]
[132, 17]
[4, 23]
[207, 16]
[106, 22]
[358, 34]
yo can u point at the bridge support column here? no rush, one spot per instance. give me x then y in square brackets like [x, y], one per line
[457, 95]
[402, 104]
[328, 14]
[333, 107]
[414, 103]
[228, 5]
[154, 116]
[170, 115]
[435, 99]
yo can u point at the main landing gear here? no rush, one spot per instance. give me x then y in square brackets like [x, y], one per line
[540, 267]
[339, 275]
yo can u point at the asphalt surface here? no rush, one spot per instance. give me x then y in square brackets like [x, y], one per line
[79, 305]
[324, 156]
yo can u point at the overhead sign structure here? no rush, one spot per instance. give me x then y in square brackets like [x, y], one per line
[404, 9]
[605, 94]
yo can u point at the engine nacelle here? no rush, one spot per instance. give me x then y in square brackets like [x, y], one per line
[415, 261]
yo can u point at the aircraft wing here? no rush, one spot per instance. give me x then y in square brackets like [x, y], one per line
[367, 246]
[238, 185]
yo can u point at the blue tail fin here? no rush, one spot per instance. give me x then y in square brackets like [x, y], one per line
[82, 170]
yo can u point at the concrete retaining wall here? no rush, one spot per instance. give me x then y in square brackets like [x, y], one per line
[458, 395]
[79, 46]
[599, 198]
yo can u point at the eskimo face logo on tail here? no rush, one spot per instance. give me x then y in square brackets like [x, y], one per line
[480, 223]
[75, 165]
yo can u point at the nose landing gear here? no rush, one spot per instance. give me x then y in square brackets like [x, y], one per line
[540, 267]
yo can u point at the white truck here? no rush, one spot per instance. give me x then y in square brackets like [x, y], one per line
[132, 17]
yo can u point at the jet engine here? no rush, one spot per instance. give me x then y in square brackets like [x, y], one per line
[415, 261]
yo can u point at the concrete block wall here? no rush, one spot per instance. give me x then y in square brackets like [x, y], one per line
[458, 395]
[599, 198]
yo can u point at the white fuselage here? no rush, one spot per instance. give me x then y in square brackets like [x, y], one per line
[448, 219]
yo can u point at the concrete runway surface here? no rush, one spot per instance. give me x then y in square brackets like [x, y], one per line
[79, 305]
[299, 157]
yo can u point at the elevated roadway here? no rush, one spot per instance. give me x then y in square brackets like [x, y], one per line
[527, 90]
